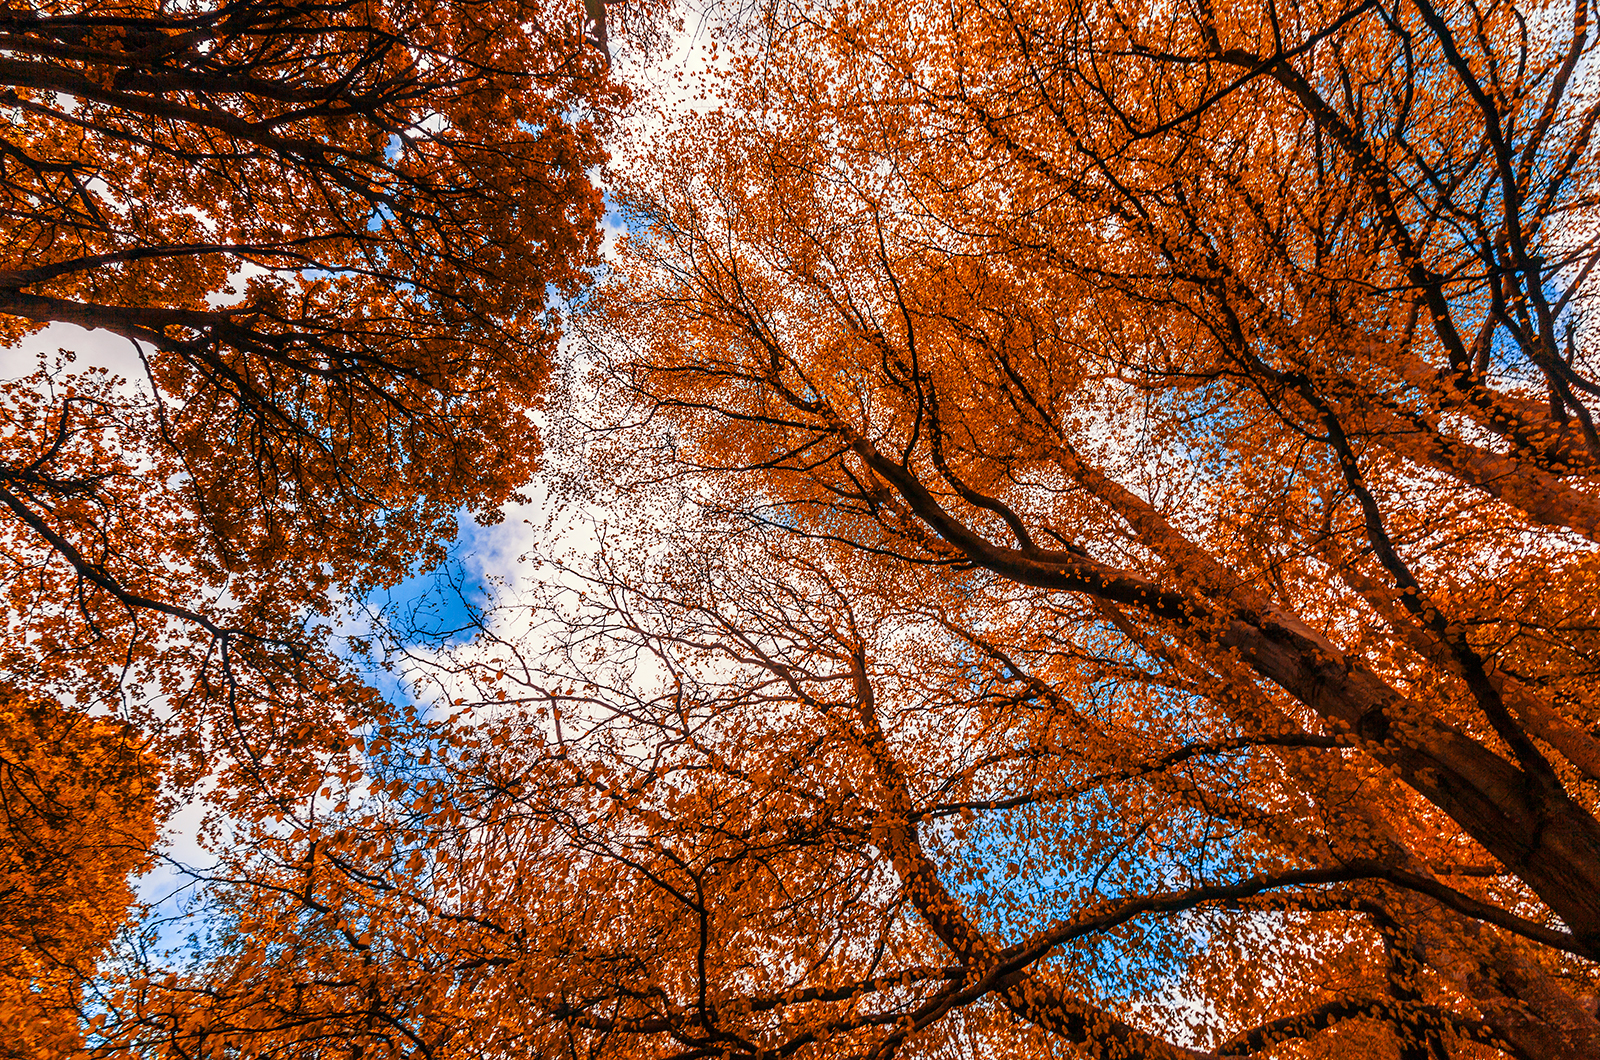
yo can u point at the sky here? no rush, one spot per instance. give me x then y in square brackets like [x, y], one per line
[91, 349]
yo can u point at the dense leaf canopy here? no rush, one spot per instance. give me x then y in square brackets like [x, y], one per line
[1088, 548]
[331, 233]
[77, 815]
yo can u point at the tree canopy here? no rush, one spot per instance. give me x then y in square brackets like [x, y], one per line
[332, 232]
[1101, 561]
[333, 238]
[1230, 365]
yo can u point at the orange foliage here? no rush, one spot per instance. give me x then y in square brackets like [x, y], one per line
[78, 799]
[331, 236]
[1129, 590]
[330, 232]
[1209, 388]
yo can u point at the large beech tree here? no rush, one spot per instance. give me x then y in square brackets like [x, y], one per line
[1259, 331]
[1144, 604]
[330, 236]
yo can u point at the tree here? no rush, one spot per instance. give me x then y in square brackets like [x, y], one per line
[1144, 600]
[77, 816]
[333, 236]
[332, 232]
[1258, 331]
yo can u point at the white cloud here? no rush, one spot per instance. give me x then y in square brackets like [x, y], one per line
[90, 349]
